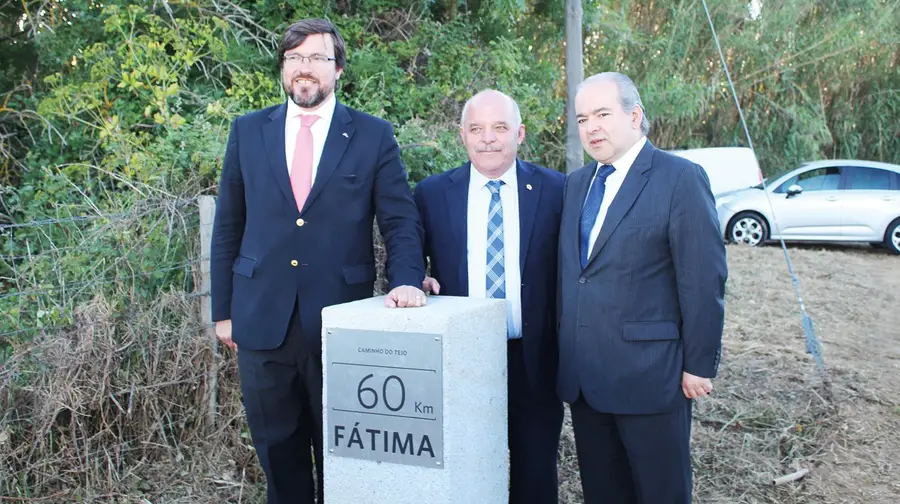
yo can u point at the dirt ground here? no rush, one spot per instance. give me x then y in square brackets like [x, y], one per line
[772, 413]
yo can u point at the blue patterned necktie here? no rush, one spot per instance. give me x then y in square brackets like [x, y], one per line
[591, 209]
[495, 275]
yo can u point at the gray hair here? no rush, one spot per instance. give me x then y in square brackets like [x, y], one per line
[628, 94]
[517, 114]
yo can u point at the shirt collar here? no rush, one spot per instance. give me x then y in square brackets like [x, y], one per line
[325, 110]
[478, 180]
[624, 163]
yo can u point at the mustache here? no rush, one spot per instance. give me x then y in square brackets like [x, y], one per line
[309, 77]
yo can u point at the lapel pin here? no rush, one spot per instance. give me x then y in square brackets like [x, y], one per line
[346, 135]
[528, 186]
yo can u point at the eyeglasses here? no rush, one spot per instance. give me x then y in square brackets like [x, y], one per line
[294, 59]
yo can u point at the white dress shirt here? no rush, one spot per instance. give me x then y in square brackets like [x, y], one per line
[613, 183]
[477, 221]
[319, 131]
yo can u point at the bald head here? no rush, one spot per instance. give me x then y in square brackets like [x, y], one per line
[492, 97]
[491, 129]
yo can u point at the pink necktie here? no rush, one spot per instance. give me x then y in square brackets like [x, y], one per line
[301, 164]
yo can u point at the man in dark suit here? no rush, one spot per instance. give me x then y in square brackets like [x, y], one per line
[642, 276]
[491, 229]
[301, 185]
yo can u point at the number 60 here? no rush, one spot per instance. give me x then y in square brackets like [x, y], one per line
[374, 400]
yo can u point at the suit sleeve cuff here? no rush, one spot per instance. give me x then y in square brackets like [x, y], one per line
[414, 279]
[709, 368]
[220, 313]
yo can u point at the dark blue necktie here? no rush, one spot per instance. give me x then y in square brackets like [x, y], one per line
[591, 209]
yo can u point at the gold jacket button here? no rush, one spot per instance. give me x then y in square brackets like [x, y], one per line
[294, 262]
[300, 222]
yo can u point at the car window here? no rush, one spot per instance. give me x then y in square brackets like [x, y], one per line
[819, 179]
[870, 179]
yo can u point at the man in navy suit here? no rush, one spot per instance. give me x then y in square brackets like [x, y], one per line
[642, 276]
[491, 229]
[300, 187]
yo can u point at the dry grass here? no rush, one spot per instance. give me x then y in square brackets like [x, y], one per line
[851, 293]
[772, 413]
[112, 410]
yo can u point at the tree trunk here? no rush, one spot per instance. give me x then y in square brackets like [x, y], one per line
[574, 76]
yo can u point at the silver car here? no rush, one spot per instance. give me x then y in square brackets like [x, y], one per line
[833, 201]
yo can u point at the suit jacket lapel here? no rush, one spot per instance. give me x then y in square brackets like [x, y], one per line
[339, 134]
[631, 187]
[529, 193]
[457, 194]
[273, 139]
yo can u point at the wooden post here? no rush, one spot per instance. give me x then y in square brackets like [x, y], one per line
[207, 216]
[574, 76]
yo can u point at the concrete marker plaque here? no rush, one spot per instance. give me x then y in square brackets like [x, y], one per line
[468, 400]
[385, 396]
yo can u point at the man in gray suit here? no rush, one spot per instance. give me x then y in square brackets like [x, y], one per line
[642, 276]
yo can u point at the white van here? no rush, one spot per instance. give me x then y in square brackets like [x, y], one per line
[728, 168]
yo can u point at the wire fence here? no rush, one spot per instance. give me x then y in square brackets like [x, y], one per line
[51, 329]
[33, 288]
[102, 281]
[142, 211]
[65, 220]
[167, 203]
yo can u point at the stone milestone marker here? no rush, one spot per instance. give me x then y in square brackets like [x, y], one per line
[415, 402]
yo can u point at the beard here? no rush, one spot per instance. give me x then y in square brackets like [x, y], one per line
[307, 100]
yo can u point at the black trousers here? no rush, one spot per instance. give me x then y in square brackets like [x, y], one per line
[535, 423]
[633, 459]
[282, 393]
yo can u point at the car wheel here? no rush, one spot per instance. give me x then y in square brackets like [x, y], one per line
[748, 228]
[892, 236]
